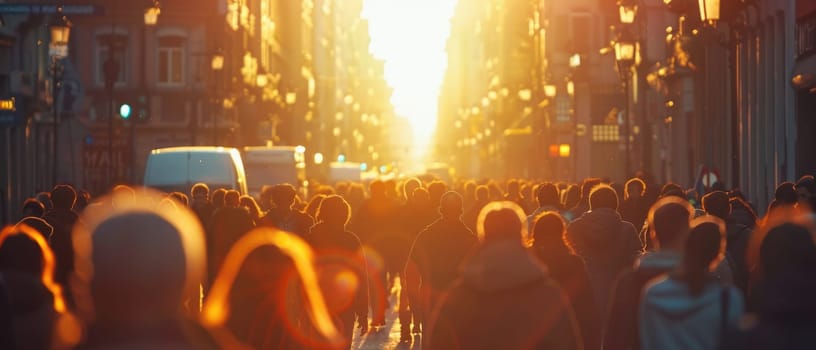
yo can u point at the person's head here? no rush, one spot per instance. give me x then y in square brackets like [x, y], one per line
[283, 196]
[377, 189]
[513, 187]
[787, 248]
[200, 192]
[572, 196]
[41, 226]
[45, 199]
[82, 201]
[470, 191]
[232, 199]
[587, 186]
[421, 197]
[250, 204]
[21, 253]
[334, 210]
[719, 186]
[672, 189]
[181, 198]
[436, 189]
[409, 187]
[634, 188]
[785, 193]
[669, 220]
[451, 205]
[502, 221]
[314, 204]
[805, 188]
[717, 203]
[33, 207]
[603, 197]
[122, 193]
[549, 229]
[218, 197]
[63, 197]
[482, 193]
[705, 249]
[547, 195]
[136, 263]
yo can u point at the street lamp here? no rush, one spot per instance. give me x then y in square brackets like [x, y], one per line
[216, 64]
[151, 15]
[709, 11]
[60, 29]
[550, 90]
[625, 57]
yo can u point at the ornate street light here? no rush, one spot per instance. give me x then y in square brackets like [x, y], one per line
[151, 15]
[550, 90]
[217, 62]
[624, 52]
[60, 29]
[627, 11]
[709, 11]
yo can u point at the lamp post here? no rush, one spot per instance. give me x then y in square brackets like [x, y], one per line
[709, 11]
[60, 29]
[151, 17]
[216, 64]
[625, 57]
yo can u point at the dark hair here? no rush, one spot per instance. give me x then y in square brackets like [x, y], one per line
[45, 199]
[334, 210]
[634, 185]
[785, 193]
[549, 230]
[482, 193]
[705, 244]
[44, 228]
[19, 252]
[232, 198]
[218, 197]
[572, 196]
[377, 188]
[251, 205]
[82, 201]
[33, 207]
[603, 196]
[808, 183]
[201, 188]
[717, 203]
[283, 195]
[787, 248]
[547, 195]
[63, 197]
[407, 191]
[181, 198]
[513, 186]
[502, 223]
[314, 204]
[669, 220]
[587, 186]
[451, 204]
[436, 189]
[671, 188]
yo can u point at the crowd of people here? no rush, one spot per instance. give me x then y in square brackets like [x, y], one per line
[480, 265]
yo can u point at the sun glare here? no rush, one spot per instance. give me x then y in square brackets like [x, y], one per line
[410, 36]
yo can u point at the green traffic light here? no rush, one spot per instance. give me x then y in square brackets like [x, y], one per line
[124, 111]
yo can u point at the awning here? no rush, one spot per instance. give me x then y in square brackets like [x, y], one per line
[804, 73]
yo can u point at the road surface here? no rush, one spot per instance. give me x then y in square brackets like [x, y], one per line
[387, 337]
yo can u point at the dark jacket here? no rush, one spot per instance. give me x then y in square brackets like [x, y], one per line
[62, 220]
[635, 210]
[738, 237]
[439, 251]
[339, 251]
[288, 220]
[571, 274]
[472, 214]
[228, 225]
[621, 331]
[504, 300]
[608, 245]
[32, 307]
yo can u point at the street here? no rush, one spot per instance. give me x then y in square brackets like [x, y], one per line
[387, 337]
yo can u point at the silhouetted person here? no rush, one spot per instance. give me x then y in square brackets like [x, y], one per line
[436, 255]
[690, 309]
[738, 236]
[605, 242]
[218, 198]
[583, 204]
[375, 224]
[339, 255]
[785, 309]
[31, 302]
[143, 268]
[283, 215]
[805, 188]
[181, 198]
[228, 225]
[472, 213]
[635, 206]
[83, 200]
[62, 218]
[248, 203]
[45, 199]
[314, 204]
[548, 199]
[504, 299]
[32, 208]
[414, 214]
[668, 224]
[569, 271]
[742, 213]
[40, 225]
[514, 195]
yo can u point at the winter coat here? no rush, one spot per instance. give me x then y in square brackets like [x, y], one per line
[571, 274]
[32, 307]
[621, 331]
[608, 245]
[439, 251]
[62, 220]
[635, 210]
[288, 220]
[671, 318]
[228, 226]
[504, 300]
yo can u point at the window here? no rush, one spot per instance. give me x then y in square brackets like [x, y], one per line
[171, 61]
[104, 44]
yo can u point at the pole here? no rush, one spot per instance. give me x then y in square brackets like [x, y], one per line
[111, 115]
[215, 109]
[626, 126]
[55, 110]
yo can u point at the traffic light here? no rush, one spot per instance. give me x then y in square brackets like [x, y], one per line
[125, 111]
[142, 110]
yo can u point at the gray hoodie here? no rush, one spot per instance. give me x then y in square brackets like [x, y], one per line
[671, 318]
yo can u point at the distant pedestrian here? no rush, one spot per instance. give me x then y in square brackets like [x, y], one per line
[181, 198]
[635, 205]
[548, 200]
[248, 203]
[218, 198]
[737, 235]
[472, 212]
[32, 208]
[283, 215]
[62, 218]
[45, 199]
[229, 224]
[583, 204]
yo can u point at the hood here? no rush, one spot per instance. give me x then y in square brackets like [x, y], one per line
[500, 266]
[658, 261]
[671, 299]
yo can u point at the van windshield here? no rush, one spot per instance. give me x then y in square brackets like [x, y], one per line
[260, 174]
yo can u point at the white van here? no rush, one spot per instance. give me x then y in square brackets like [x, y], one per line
[179, 168]
[274, 165]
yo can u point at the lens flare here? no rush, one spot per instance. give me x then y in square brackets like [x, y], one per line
[411, 36]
